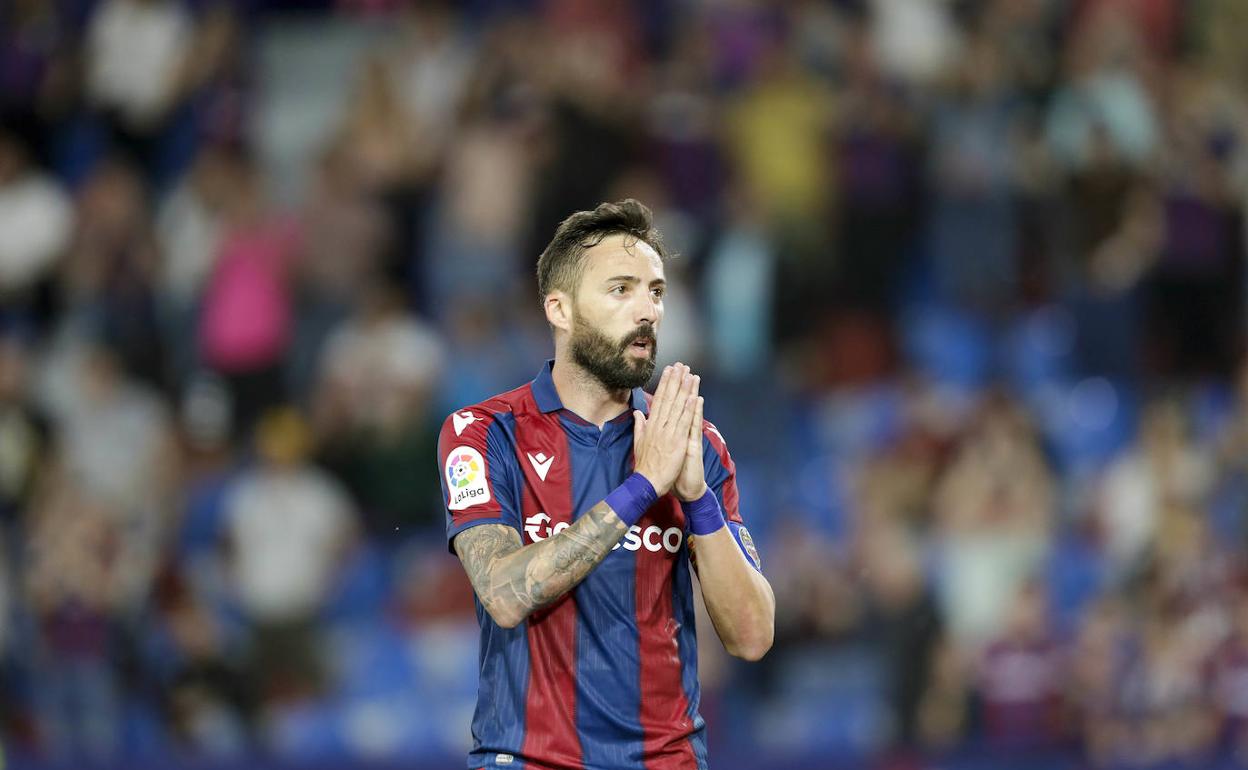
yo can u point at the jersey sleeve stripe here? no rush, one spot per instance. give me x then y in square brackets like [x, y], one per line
[471, 468]
[729, 498]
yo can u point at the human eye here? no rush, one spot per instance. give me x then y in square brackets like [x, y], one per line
[658, 291]
[618, 290]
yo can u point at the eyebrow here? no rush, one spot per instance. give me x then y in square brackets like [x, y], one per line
[630, 279]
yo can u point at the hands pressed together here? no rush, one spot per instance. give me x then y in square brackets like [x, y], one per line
[667, 445]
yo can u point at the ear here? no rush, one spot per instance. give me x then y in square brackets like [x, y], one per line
[558, 307]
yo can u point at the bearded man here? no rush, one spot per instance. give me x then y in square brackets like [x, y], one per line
[577, 503]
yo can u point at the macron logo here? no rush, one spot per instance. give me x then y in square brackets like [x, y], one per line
[541, 464]
[462, 420]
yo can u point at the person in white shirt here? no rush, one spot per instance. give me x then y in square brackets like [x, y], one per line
[288, 526]
[36, 221]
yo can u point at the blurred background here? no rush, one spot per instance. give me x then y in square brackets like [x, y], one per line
[964, 279]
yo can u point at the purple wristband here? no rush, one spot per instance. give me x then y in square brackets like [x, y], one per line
[704, 515]
[632, 498]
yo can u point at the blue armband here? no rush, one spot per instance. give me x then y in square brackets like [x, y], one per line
[704, 515]
[632, 498]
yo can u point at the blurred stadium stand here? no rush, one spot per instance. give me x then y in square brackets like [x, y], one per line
[964, 278]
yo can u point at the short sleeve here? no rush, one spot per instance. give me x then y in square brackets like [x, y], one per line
[476, 471]
[721, 471]
[721, 477]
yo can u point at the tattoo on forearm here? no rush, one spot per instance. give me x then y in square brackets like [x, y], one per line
[515, 580]
[479, 547]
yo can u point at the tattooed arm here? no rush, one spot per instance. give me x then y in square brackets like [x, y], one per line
[514, 580]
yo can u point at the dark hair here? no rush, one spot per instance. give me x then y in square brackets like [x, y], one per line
[562, 263]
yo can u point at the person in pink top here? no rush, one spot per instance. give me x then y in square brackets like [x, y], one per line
[246, 316]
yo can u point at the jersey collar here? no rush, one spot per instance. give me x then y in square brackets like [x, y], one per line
[547, 397]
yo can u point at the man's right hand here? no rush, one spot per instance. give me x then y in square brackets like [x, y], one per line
[660, 440]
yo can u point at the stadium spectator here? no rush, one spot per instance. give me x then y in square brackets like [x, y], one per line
[478, 218]
[1164, 467]
[1228, 678]
[993, 510]
[1192, 294]
[393, 162]
[1019, 678]
[105, 409]
[347, 236]
[74, 590]
[137, 55]
[973, 277]
[36, 222]
[189, 228]
[246, 314]
[24, 429]
[288, 526]
[37, 51]
[206, 694]
[973, 215]
[432, 61]
[380, 371]
[903, 621]
[109, 276]
[739, 287]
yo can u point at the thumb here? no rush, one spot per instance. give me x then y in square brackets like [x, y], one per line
[639, 427]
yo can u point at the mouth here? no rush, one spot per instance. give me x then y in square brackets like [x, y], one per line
[642, 346]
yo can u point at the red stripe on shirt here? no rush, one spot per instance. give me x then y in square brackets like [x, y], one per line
[729, 492]
[664, 716]
[474, 434]
[550, 737]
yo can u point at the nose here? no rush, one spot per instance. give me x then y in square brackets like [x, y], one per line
[646, 309]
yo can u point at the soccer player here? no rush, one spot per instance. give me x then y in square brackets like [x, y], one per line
[578, 506]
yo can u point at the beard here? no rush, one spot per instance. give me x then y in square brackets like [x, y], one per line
[607, 360]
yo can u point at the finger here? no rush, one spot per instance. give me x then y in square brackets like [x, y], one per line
[694, 451]
[671, 395]
[695, 425]
[639, 428]
[680, 400]
[686, 400]
[690, 385]
[695, 382]
[659, 405]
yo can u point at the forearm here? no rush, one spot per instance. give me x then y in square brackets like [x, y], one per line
[738, 598]
[512, 581]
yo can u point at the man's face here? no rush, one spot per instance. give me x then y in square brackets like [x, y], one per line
[617, 312]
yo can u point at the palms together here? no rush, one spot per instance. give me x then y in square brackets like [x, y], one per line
[675, 417]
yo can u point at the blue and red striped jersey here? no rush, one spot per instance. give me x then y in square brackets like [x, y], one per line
[606, 677]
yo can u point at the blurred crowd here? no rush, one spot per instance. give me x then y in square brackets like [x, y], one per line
[965, 280]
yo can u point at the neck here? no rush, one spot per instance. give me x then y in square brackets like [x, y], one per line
[584, 395]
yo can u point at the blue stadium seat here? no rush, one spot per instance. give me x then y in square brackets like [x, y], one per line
[306, 732]
[363, 585]
[371, 660]
[443, 657]
[1086, 422]
[143, 732]
[394, 726]
[1212, 404]
[952, 347]
[832, 703]
[1076, 574]
[862, 420]
[1038, 350]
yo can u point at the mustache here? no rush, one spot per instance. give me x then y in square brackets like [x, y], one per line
[643, 333]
